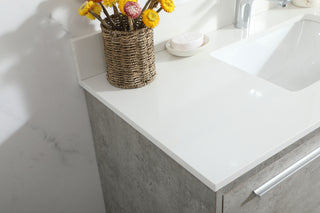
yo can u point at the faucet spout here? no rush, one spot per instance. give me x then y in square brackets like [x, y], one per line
[243, 11]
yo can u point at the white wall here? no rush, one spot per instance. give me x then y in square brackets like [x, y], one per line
[47, 162]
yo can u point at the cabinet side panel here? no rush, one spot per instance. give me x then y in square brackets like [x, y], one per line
[137, 176]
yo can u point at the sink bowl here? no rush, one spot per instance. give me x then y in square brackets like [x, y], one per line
[288, 56]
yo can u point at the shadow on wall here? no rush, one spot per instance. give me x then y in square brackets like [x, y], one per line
[47, 160]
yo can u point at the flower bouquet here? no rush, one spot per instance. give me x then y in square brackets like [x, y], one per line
[128, 38]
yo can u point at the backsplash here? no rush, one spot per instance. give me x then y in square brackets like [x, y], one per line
[201, 15]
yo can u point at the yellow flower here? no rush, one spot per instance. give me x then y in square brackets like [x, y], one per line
[167, 5]
[109, 3]
[86, 7]
[121, 4]
[150, 18]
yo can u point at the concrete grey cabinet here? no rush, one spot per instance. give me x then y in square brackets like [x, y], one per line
[138, 177]
[299, 193]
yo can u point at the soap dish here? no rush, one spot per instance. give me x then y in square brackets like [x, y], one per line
[185, 53]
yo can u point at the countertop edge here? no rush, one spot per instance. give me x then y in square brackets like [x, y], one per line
[194, 172]
[213, 186]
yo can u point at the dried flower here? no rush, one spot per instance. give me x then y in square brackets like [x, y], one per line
[109, 3]
[167, 5]
[132, 9]
[150, 18]
[121, 4]
[149, 15]
[88, 7]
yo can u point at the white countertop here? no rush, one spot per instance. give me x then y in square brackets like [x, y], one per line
[216, 121]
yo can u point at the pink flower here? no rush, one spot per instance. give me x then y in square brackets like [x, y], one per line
[132, 9]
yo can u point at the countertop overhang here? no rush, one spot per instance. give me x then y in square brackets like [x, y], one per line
[216, 121]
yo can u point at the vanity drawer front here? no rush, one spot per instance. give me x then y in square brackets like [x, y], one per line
[298, 192]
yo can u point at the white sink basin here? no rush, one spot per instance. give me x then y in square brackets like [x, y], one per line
[288, 56]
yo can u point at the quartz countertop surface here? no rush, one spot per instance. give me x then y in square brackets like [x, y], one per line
[216, 121]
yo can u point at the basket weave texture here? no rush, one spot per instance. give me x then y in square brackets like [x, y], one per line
[129, 56]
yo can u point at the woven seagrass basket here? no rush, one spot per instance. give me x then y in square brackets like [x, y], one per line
[129, 55]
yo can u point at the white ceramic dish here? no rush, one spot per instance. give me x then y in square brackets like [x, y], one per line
[185, 53]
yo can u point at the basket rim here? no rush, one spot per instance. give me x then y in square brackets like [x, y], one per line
[103, 28]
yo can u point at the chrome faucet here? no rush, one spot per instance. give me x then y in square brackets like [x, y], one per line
[243, 11]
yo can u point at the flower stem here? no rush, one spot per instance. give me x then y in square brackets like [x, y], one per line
[130, 22]
[146, 5]
[115, 10]
[158, 11]
[108, 16]
[135, 22]
[116, 14]
[103, 22]
[152, 4]
[143, 9]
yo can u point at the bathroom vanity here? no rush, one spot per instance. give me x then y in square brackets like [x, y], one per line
[207, 135]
